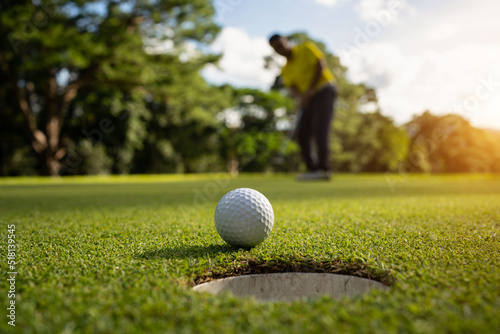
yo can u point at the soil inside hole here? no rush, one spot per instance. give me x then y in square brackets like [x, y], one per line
[244, 267]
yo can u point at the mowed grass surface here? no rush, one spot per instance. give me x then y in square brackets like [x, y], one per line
[119, 255]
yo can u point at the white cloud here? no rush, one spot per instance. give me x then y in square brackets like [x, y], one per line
[439, 61]
[369, 10]
[328, 3]
[442, 82]
[442, 31]
[242, 63]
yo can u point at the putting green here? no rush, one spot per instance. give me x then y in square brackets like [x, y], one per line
[120, 254]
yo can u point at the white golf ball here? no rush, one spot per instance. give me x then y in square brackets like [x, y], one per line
[244, 217]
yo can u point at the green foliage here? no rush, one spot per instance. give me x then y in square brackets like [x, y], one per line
[254, 140]
[371, 144]
[15, 154]
[120, 254]
[116, 56]
[449, 144]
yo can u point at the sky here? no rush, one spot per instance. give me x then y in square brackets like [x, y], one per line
[442, 56]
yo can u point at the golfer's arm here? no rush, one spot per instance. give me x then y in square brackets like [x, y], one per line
[317, 74]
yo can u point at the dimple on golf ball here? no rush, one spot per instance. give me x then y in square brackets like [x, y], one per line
[244, 218]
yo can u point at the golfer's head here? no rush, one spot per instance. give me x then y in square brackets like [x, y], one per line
[280, 44]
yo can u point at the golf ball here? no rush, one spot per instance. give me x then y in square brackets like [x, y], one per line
[244, 218]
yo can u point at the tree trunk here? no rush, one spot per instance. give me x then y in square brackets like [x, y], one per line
[46, 145]
[53, 125]
[49, 165]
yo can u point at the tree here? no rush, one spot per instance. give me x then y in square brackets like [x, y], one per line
[250, 136]
[449, 144]
[183, 134]
[15, 157]
[50, 52]
[376, 146]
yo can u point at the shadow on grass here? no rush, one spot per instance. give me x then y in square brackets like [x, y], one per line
[185, 252]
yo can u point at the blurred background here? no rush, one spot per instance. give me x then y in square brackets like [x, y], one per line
[131, 87]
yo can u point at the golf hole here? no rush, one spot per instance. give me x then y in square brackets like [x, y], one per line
[291, 286]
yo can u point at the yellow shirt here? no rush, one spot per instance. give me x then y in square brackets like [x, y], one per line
[301, 67]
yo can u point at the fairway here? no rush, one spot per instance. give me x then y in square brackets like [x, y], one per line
[120, 254]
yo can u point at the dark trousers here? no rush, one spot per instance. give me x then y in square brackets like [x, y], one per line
[315, 124]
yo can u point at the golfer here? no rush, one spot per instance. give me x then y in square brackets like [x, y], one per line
[310, 81]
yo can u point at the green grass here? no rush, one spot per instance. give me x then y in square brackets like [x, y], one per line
[119, 254]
